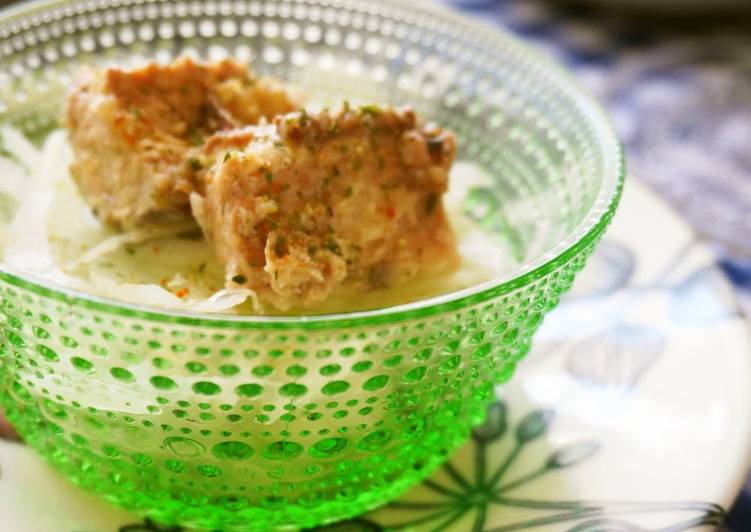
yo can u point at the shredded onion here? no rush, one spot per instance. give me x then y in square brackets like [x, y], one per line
[51, 219]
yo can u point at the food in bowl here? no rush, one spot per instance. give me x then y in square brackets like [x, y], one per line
[302, 212]
[331, 201]
[51, 232]
[133, 131]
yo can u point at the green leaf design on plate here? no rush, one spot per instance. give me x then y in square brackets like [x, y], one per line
[572, 454]
[470, 495]
[534, 425]
[495, 424]
[150, 526]
[354, 525]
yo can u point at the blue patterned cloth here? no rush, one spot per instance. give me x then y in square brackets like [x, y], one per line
[679, 92]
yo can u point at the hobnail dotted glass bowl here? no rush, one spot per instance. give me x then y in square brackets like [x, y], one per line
[255, 422]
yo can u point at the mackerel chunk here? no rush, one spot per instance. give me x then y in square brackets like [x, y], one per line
[313, 204]
[133, 132]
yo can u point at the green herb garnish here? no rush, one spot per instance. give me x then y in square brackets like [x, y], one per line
[280, 246]
[333, 247]
[431, 203]
[239, 279]
[372, 110]
[304, 118]
[195, 137]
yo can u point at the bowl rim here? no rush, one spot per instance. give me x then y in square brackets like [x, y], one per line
[589, 229]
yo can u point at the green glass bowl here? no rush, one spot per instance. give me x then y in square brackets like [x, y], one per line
[247, 423]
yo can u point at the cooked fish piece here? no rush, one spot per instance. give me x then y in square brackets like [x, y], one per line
[317, 203]
[134, 131]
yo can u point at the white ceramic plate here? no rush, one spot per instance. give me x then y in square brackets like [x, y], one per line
[632, 413]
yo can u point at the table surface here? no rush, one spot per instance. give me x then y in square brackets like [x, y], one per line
[678, 88]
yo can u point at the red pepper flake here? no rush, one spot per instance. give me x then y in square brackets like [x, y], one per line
[182, 292]
[163, 281]
[390, 212]
[155, 248]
